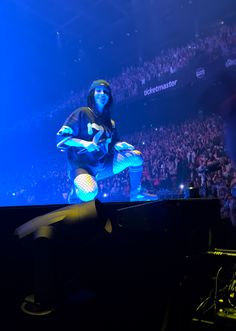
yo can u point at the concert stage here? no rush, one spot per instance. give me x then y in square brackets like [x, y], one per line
[150, 270]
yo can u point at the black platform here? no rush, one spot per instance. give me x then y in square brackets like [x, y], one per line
[149, 272]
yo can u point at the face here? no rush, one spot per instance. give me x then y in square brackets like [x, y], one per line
[101, 96]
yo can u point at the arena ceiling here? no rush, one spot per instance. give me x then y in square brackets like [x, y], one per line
[125, 27]
[53, 46]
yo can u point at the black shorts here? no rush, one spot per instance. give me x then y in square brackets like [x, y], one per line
[99, 171]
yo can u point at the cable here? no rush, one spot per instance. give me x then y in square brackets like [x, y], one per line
[232, 289]
[204, 302]
[216, 288]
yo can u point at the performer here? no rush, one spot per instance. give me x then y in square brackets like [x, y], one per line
[93, 148]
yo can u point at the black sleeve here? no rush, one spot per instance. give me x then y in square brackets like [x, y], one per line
[70, 128]
[115, 135]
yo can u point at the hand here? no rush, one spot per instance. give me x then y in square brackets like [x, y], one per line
[90, 146]
[123, 146]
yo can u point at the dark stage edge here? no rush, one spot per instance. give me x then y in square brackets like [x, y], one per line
[124, 280]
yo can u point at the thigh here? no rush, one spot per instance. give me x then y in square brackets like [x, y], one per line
[106, 170]
[125, 159]
[119, 162]
[73, 173]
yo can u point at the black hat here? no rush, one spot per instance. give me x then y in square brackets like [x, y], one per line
[100, 82]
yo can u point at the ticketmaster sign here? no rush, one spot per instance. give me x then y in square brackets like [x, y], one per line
[160, 88]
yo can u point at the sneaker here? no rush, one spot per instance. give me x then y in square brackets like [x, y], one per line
[140, 195]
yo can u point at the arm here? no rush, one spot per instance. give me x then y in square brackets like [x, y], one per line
[65, 139]
[75, 142]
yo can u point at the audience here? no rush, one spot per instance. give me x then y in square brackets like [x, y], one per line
[221, 44]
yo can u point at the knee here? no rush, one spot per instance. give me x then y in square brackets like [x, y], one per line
[86, 189]
[86, 194]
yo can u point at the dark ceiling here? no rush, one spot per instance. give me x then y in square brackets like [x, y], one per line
[62, 44]
[122, 29]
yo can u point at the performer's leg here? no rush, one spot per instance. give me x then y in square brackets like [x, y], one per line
[128, 159]
[122, 160]
[134, 161]
[85, 186]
